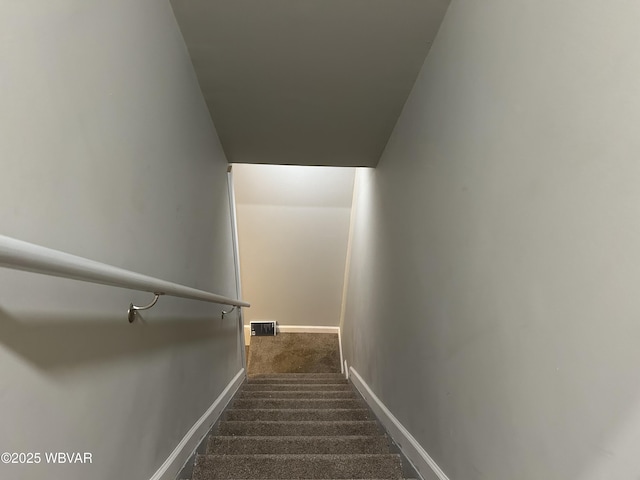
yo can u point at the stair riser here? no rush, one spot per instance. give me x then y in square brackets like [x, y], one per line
[302, 395]
[296, 403]
[326, 381]
[310, 381]
[298, 375]
[298, 445]
[303, 387]
[298, 428]
[299, 415]
[302, 467]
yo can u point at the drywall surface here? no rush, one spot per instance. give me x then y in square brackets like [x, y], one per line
[492, 303]
[293, 225]
[307, 83]
[107, 151]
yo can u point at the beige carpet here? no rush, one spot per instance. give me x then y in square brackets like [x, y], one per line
[294, 353]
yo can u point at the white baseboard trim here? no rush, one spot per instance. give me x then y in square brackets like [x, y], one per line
[307, 329]
[174, 463]
[423, 463]
[302, 329]
[340, 347]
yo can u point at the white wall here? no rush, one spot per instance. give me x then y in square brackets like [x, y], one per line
[293, 225]
[107, 151]
[493, 300]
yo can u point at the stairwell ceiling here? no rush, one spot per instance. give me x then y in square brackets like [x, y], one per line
[307, 82]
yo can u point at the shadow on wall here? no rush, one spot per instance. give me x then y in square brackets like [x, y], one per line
[63, 342]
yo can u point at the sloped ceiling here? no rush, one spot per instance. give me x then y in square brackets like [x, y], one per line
[307, 82]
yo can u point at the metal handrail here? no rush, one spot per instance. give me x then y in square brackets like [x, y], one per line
[20, 255]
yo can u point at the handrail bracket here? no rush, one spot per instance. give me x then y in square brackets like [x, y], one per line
[229, 311]
[133, 309]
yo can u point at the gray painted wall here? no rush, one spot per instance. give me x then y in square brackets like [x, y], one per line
[493, 301]
[307, 83]
[107, 151]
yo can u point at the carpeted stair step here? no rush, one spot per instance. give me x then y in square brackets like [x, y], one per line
[305, 387]
[312, 426]
[332, 381]
[261, 428]
[349, 466]
[298, 375]
[293, 415]
[298, 445]
[262, 403]
[297, 394]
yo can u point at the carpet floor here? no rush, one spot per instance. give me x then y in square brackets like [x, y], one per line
[294, 353]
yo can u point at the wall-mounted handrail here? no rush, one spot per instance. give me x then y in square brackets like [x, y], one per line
[19, 255]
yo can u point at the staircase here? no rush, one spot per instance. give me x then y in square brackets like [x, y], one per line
[298, 426]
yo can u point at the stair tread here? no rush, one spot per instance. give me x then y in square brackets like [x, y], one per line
[302, 466]
[296, 422]
[297, 386]
[306, 380]
[301, 409]
[234, 445]
[305, 403]
[296, 374]
[270, 438]
[300, 427]
[293, 414]
[319, 395]
[301, 438]
[307, 456]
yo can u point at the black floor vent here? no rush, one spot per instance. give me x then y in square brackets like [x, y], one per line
[262, 329]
